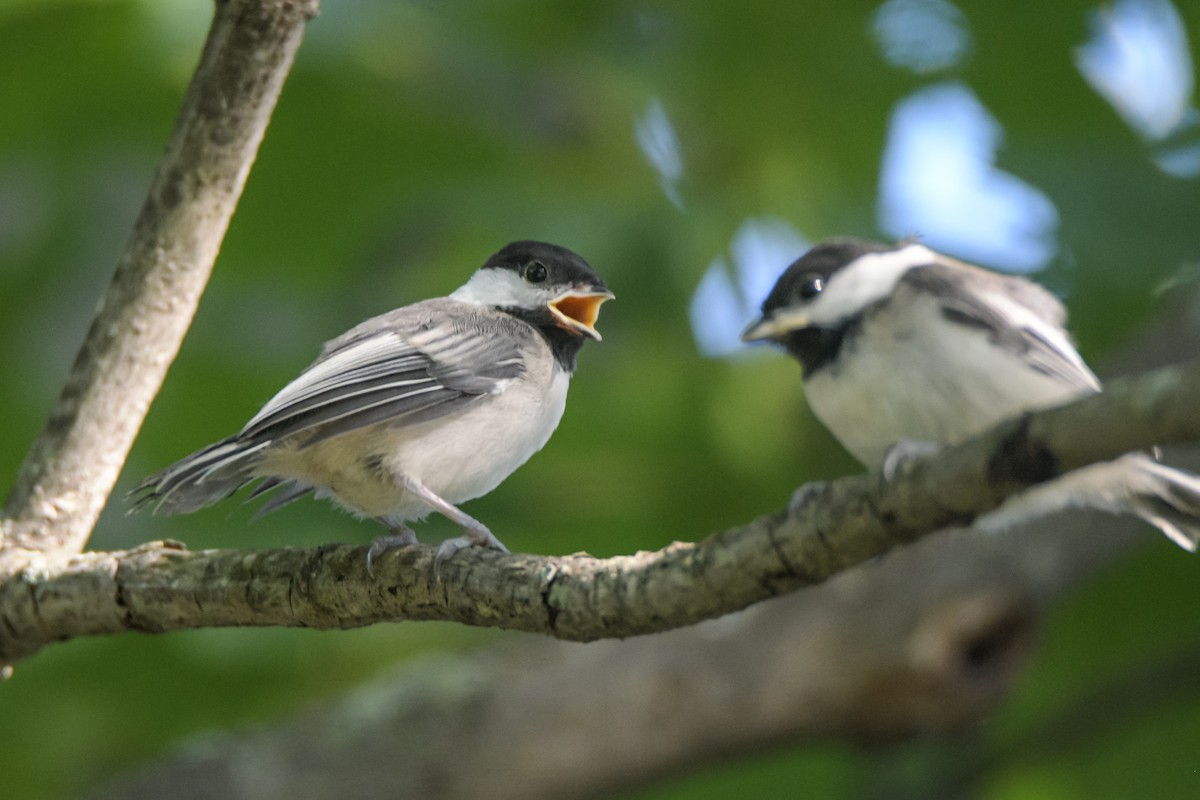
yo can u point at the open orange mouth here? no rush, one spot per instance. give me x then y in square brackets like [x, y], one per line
[577, 311]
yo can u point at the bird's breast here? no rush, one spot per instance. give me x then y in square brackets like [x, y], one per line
[907, 379]
[469, 453]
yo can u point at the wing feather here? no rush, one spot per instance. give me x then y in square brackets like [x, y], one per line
[408, 366]
[1016, 313]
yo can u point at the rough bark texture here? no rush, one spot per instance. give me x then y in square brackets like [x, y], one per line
[48, 597]
[141, 321]
[927, 639]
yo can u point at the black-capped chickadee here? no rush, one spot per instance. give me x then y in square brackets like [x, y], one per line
[415, 410]
[901, 345]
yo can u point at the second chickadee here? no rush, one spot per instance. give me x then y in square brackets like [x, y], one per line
[902, 344]
[418, 409]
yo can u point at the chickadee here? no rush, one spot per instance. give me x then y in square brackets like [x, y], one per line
[900, 345]
[415, 410]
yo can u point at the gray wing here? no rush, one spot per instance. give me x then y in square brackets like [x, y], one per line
[1016, 314]
[409, 366]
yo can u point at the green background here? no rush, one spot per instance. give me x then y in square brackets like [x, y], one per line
[414, 139]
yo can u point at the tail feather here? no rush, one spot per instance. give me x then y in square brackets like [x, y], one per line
[291, 492]
[199, 480]
[1165, 497]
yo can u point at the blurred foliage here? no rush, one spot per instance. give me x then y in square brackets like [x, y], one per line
[414, 139]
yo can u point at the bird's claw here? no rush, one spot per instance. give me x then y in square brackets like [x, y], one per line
[402, 537]
[903, 451]
[805, 495]
[473, 537]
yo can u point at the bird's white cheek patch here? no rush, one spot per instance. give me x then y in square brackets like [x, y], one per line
[866, 280]
[499, 287]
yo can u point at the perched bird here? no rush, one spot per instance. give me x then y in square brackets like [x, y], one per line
[902, 346]
[415, 410]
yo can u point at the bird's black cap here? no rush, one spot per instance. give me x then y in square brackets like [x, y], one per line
[563, 267]
[821, 261]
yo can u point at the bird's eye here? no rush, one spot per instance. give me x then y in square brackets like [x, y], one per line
[535, 272]
[811, 286]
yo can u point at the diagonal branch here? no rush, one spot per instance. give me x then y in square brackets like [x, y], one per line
[923, 644]
[162, 587]
[71, 468]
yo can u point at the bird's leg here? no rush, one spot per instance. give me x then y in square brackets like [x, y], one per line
[399, 535]
[476, 533]
[902, 451]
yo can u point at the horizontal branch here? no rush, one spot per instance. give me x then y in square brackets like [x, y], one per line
[928, 640]
[46, 597]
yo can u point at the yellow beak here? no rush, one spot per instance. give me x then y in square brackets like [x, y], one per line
[578, 310]
[779, 323]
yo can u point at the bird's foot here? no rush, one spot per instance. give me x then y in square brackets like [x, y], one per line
[805, 495]
[399, 536]
[903, 451]
[476, 535]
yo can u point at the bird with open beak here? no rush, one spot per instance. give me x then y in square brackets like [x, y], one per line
[416, 410]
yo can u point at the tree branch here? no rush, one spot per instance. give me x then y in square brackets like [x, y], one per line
[71, 468]
[926, 640]
[46, 597]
